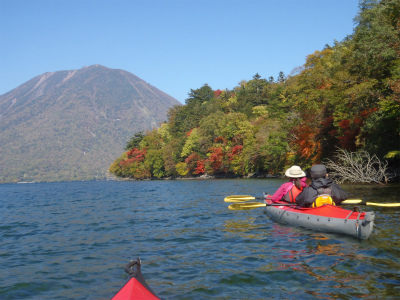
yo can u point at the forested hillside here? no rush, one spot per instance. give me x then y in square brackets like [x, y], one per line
[347, 95]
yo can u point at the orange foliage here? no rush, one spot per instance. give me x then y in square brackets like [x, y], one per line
[191, 162]
[324, 85]
[308, 145]
[344, 124]
[236, 150]
[221, 140]
[135, 155]
[189, 132]
[216, 160]
[349, 133]
[217, 93]
[351, 129]
[200, 169]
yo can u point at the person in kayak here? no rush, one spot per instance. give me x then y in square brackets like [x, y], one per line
[289, 190]
[322, 190]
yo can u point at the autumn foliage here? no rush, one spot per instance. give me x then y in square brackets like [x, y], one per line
[343, 96]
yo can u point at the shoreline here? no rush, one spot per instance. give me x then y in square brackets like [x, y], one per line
[206, 176]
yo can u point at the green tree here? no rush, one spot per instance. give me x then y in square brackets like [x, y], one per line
[376, 39]
[201, 95]
[135, 140]
[154, 163]
[198, 105]
[251, 93]
[281, 77]
[192, 143]
[152, 141]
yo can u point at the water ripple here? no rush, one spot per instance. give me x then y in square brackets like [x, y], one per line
[71, 240]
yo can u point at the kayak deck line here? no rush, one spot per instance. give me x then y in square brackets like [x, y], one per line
[325, 211]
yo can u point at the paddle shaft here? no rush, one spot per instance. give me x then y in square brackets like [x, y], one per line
[243, 199]
[252, 205]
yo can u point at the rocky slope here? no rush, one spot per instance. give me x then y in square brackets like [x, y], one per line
[71, 125]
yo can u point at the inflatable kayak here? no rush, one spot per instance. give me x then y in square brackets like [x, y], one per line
[326, 218]
[136, 288]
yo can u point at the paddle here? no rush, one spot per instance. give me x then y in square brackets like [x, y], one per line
[379, 204]
[252, 205]
[361, 202]
[242, 198]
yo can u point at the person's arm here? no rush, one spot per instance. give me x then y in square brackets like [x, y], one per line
[279, 193]
[338, 194]
[306, 197]
[300, 199]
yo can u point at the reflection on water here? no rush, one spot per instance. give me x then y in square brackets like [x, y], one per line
[71, 240]
[245, 228]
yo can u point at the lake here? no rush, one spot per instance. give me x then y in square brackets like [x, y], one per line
[71, 240]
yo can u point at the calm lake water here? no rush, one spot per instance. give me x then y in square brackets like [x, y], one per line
[71, 240]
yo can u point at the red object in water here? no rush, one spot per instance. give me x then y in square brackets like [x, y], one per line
[136, 288]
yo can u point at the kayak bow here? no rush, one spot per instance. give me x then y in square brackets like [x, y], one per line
[136, 288]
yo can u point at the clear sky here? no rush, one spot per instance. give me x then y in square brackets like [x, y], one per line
[174, 45]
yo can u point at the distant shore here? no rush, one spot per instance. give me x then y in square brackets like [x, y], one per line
[207, 176]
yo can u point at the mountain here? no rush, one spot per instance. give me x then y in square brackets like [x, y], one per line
[71, 125]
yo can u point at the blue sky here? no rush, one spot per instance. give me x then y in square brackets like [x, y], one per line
[174, 45]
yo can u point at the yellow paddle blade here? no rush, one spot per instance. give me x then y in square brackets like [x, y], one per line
[384, 204]
[239, 198]
[246, 206]
[352, 201]
[357, 201]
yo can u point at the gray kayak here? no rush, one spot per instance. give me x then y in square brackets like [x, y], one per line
[326, 218]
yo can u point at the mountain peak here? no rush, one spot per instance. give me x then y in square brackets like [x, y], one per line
[70, 125]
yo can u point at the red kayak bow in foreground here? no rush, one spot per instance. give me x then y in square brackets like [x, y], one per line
[136, 288]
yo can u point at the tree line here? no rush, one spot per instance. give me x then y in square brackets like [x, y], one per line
[346, 96]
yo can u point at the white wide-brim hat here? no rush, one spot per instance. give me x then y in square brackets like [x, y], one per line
[295, 172]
